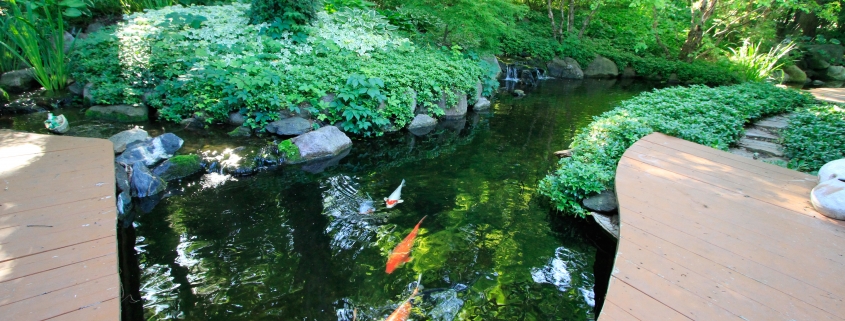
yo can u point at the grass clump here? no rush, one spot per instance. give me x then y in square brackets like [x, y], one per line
[289, 150]
[815, 136]
[709, 116]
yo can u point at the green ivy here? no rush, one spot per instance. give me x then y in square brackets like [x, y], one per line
[815, 136]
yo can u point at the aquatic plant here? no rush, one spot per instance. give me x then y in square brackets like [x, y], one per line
[709, 116]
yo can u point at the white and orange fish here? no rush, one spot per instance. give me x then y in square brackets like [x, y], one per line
[395, 197]
[404, 310]
[402, 252]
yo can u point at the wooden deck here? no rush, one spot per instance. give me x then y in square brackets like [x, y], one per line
[707, 235]
[58, 251]
[832, 95]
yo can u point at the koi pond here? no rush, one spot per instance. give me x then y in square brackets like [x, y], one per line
[290, 242]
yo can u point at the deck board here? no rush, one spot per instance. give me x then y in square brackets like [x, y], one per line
[831, 95]
[714, 236]
[58, 243]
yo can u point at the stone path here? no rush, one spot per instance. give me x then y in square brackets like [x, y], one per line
[761, 140]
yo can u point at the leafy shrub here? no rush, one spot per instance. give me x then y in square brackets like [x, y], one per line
[709, 116]
[299, 12]
[357, 30]
[815, 136]
[754, 66]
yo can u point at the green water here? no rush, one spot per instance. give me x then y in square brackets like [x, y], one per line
[289, 244]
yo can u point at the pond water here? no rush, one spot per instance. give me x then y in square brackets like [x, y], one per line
[289, 243]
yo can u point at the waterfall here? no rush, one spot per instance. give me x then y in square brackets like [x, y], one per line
[510, 75]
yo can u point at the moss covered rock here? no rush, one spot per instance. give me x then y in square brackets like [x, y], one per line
[119, 113]
[178, 167]
[794, 74]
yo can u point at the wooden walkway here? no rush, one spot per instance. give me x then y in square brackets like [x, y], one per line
[58, 251]
[832, 95]
[707, 235]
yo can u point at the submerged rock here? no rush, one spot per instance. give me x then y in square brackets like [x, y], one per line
[119, 113]
[289, 126]
[144, 183]
[603, 202]
[240, 132]
[126, 137]
[325, 142]
[178, 167]
[150, 151]
[829, 198]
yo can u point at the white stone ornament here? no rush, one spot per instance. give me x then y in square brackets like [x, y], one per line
[829, 198]
[832, 170]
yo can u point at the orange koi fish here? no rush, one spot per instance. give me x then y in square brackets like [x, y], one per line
[402, 252]
[404, 310]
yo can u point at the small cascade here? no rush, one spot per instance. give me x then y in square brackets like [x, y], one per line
[541, 75]
[510, 74]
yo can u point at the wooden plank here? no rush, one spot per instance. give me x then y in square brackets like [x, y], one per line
[787, 294]
[22, 188]
[106, 310]
[66, 300]
[730, 292]
[638, 304]
[612, 312]
[54, 259]
[92, 229]
[59, 200]
[23, 288]
[12, 141]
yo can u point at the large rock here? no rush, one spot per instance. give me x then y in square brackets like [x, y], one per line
[835, 73]
[325, 142]
[601, 67]
[178, 167]
[829, 198]
[126, 137]
[119, 113]
[121, 178]
[69, 39]
[145, 183]
[479, 88]
[236, 118]
[820, 57]
[289, 126]
[566, 68]
[629, 72]
[124, 204]
[481, 104]
[18, 80]
[422, 125]
[459, 110]
[493, 63]
[832, 170]
[150, 151]
[88, 94]
[603, 202]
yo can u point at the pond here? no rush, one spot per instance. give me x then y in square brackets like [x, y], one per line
[289, 243]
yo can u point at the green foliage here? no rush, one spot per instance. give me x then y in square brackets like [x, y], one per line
[709, 116]
[755, 66]
[815, 136]
[35, 36]
[298, 12]
[289, 150]
[530, 37]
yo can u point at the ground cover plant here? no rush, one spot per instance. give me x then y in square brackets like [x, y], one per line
[709, 116]
[209, 61]
[815, 136]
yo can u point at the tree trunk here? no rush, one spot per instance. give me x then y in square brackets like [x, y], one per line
[552, 19]
[809, 23]
[587, 21]
[701, 12]
[570, 20]
[657, 35]
[445, 34]
[560, 30]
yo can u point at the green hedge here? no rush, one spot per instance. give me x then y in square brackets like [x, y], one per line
[815, 136]
[709, 116]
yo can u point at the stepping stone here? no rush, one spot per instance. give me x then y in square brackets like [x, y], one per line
[774, 123]
[761, 147]
[760, 134]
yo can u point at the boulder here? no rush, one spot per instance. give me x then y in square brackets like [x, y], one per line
[236, 118]
[601, 67]
[126, 137]
[241, 131]
[68, 41]
[75, 88]
[832, 170]
[88, 94]
[18, 80]
[479, 88]
[93, 27]
[289, 126]
[422, 124]
[493, 63]
[602, 202]
[458, 110]
[829, 198]
[192, 123]
[481, 104]
[673, 79]
[325, 142]
[124, 204]
[835, 73]
[178, 167]
[818, 82]
[150, 151]
[566, 68]
[629, 72]
[820, 57]
[119, 113]
[121, 178]
[144, 183]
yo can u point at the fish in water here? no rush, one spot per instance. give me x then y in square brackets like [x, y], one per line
[366, 207]
[404, 310]
[402, 252]
[395, 197]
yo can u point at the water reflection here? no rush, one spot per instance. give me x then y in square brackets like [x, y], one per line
[353, 219]
[559, 272]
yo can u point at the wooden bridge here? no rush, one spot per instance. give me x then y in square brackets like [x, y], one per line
[708, 235]
[58, 251]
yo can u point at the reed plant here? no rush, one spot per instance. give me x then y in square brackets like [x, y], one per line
[8, 61]
[35, 36]
[752, 65]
